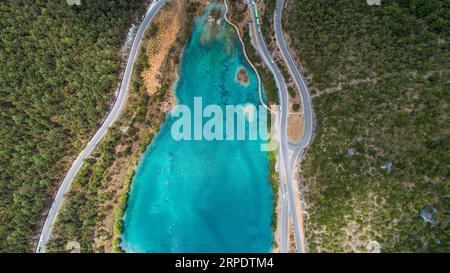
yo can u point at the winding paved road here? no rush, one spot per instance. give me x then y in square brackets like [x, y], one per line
[289, 152]
[297, 149]
[284, 152]
[113, 115]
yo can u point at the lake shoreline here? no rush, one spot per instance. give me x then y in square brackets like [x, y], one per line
[159, 207]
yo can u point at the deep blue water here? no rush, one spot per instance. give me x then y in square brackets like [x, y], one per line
[203, 196]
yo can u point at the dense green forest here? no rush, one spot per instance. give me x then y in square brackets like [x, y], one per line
[377, 172]
[59, 68]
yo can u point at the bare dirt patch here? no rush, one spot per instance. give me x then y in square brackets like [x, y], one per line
[295, 127]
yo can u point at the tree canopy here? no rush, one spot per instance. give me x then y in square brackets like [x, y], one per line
[59, 68]
[380, 152]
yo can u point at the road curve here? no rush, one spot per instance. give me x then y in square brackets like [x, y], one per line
[282, 93]
[298, 78]
[113, 115]
[297, 148]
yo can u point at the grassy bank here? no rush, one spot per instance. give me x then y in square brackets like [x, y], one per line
[274, 180]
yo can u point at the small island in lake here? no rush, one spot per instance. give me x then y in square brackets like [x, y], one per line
[242, 76]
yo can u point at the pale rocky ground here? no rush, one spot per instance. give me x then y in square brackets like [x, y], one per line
[295, 127]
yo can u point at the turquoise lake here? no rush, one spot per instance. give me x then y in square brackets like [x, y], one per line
[203, 196]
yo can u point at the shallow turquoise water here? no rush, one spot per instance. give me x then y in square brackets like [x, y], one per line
[203, 196]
